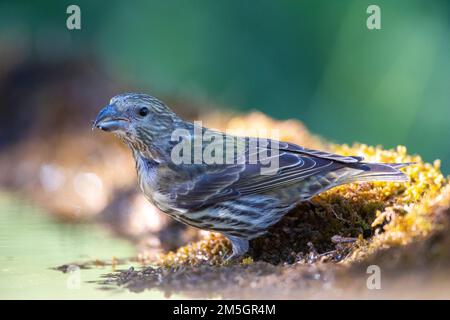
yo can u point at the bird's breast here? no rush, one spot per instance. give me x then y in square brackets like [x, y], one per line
[153, 185]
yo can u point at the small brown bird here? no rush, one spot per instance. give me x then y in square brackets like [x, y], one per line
[234, 197]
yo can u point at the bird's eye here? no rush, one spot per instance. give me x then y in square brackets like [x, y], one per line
[143, 111]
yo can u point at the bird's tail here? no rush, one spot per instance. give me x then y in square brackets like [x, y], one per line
[377, 172]
[355, 172]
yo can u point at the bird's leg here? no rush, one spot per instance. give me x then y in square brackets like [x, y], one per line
[239, 247]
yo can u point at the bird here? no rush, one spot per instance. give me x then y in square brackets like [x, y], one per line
[234, 197]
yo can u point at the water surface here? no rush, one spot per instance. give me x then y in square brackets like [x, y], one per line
[32, 243]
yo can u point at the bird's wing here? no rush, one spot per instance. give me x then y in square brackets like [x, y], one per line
[286, 146]
[208, 185]
[217, 183]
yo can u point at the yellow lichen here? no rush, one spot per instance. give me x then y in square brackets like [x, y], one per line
[247, 260]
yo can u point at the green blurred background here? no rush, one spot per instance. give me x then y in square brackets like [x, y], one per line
[311, 60]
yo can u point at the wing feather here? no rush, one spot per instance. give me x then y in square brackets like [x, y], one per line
[217, 183]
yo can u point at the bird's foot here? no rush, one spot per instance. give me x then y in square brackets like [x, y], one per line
[231, 259]
[239, 247]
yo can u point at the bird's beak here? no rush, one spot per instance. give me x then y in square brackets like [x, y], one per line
[109, 119]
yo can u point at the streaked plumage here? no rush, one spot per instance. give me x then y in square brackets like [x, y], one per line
[234, 199]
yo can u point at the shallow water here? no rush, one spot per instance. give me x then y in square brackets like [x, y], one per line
[32, 243]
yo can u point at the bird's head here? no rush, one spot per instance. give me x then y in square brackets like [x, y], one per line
[137, 118]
